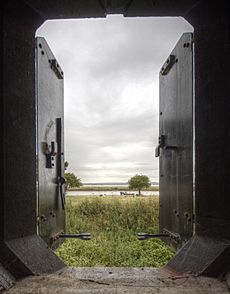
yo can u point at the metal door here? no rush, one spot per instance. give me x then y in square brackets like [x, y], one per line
[175, 149]
[50, 143]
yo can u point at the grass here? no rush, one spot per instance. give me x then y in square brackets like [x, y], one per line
[110, 188]
[113, 223]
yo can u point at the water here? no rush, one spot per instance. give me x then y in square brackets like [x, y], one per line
[110, 193]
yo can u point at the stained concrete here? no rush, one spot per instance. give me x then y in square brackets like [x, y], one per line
[117, 280]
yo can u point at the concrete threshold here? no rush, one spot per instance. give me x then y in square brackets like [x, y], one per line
[117, 280]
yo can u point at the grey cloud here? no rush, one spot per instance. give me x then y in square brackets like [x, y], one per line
[111, 69]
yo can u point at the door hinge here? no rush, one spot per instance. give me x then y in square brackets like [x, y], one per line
[168, 64]
[56, 68]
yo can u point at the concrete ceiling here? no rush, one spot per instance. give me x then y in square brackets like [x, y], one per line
[51, 9]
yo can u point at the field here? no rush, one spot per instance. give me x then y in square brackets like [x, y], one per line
[113, 223]
[110, 188]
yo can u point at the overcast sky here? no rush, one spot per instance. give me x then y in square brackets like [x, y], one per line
[111, 69]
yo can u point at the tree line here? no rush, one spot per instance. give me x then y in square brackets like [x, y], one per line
[138, 182]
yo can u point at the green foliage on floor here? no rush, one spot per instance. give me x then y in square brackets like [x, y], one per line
[113, 223]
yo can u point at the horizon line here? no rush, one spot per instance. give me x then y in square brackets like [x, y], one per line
[125, 183]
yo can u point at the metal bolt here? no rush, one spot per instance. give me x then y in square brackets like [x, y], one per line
[43, 218]
[52, 214]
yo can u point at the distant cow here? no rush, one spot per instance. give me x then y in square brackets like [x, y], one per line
[127, 194]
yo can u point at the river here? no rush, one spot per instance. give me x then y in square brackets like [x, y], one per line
[109, 193]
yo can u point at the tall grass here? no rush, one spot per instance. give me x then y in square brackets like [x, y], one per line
[113, 223]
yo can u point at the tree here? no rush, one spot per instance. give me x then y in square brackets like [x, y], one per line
[66, 164]
[72, 181]
[139, 182]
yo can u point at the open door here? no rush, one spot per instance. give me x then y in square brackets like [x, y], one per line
[50, 144]
[175, 149]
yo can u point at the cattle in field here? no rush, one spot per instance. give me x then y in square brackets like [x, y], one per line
[127, 194]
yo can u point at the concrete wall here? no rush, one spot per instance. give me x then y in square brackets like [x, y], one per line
[21, 250]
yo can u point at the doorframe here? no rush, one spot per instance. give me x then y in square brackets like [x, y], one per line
[18, 205]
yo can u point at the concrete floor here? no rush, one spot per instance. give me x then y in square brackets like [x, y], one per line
[117, 280]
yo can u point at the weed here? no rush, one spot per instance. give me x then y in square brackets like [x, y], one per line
[113, 223]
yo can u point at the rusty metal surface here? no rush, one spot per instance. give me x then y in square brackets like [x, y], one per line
[176, 136]
[50, 142]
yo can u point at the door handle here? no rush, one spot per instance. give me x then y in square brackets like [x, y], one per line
[61, 183]
[60, 165]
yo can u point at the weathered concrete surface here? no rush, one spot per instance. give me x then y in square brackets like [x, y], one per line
[117, 280]
[6, 279]
[227, 279]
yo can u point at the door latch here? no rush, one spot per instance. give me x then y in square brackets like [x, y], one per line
[144, 236]
[162, 144]
[168, 64]
[50, 152]
[81, 236]
[167, 234]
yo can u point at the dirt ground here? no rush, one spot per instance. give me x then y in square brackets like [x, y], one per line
[117, 280]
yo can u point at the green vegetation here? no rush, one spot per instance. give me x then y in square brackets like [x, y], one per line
[72, 180]
[110, 188]
[139, 182]
[113, 223]
[66, 164]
